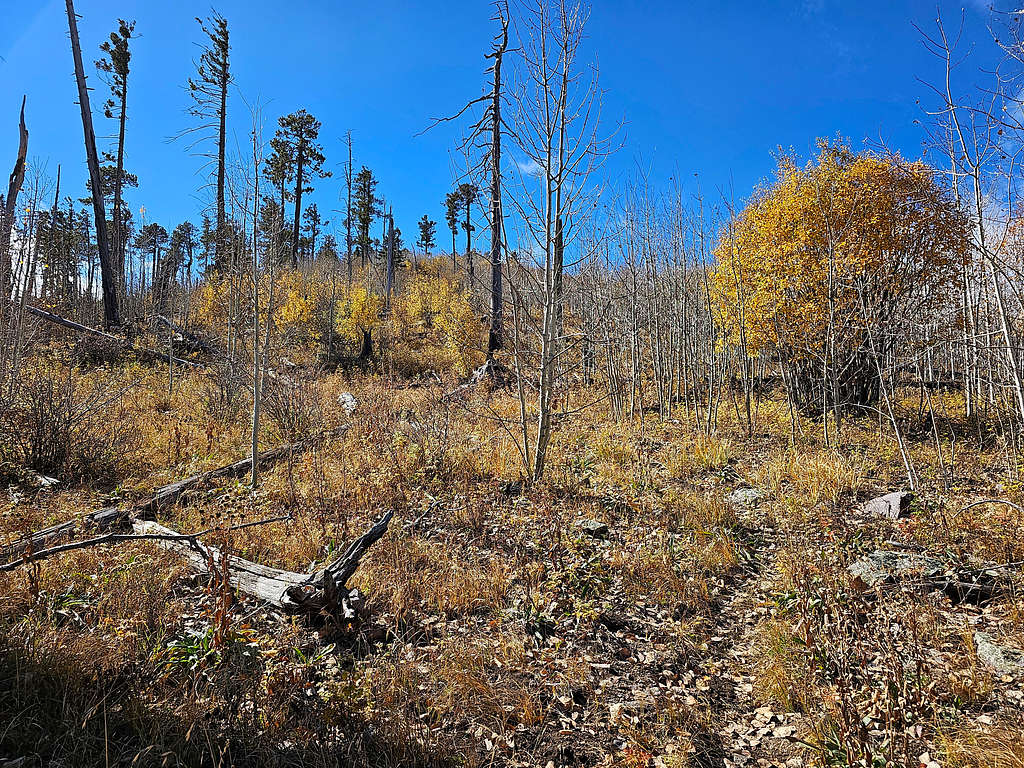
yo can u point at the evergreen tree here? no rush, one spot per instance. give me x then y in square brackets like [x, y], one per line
[366, 208]
[328, 253]
[150, 240]
[115, 66]
[452, 206]
[184, 242]
[209, 90]
[271, 230]
[313, 227]
[296, 140]
[428, 229]
[467, 194]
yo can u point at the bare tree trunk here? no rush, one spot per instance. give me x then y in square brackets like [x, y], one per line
[494, 336]
[390, 274]
[298, 207]
[348, 212]
[118, 227]
[108, 273]
[10, 205]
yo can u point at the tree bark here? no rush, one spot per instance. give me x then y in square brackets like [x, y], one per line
[108, 274]
[494, 337]
[10, 206]
[298, 207]
[118, 191]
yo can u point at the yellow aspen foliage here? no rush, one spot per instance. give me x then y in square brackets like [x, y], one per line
[295, 300]
[356, 312]
[434, 313]
[847, 243]
[211, 305]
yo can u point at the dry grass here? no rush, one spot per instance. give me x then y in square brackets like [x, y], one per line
[489, 606]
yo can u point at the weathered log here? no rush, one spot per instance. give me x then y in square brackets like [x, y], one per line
[309, 593]
[331, 580]
[118, 538]
[111, 518]
[323, 590]
[190, 338]
[119, 341]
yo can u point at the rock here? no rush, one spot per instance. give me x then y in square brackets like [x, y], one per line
[886, 567]
[594, 528]
[891, 506]
[348, 403]
[998, 658]
[746, 498]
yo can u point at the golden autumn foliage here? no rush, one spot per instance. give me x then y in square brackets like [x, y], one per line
[431, 326]
[357, 311]
[848, 242]
[434, 313]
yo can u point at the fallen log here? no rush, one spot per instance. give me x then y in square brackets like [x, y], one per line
[117, 538]
[115, 516]
[188, 337]
[308, 593]
[118, 340]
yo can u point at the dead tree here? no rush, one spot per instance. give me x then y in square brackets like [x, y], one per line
[108, 273]
[117, 341]
[115, 517]
[319, 592]
[556, 119]
[490, 125]
[497, 220]
[10, 204]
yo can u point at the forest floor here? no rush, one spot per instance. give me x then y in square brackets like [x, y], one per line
[665, 598]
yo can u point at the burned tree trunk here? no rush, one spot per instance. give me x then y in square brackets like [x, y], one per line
[10, 203]
[494, 339]
[108, 273]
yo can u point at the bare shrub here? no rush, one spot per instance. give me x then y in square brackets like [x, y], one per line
[223, 394]
[57, 423]
[95, 352]
[294, 408]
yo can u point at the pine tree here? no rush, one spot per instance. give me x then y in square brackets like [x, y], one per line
[209, 90]
[313, 227]
[467, 194]
[452, 206]
[296, 138]
[328, 253]
[366, 208]
[428, 229]
[115, 66]
[184, 241]
[151, 239]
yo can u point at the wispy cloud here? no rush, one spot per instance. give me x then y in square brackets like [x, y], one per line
[529, 167]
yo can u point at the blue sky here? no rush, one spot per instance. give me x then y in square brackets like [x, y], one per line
[703, 87]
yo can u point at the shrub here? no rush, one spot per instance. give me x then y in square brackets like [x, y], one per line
[56, 422]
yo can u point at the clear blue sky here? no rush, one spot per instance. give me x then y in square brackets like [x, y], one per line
[704, 86]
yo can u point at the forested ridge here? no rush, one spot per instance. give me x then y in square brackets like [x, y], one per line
[594, 472]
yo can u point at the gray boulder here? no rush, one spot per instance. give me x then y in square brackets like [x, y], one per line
[594, 528]
[745, 498]
[998, 658]
[887, 567]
